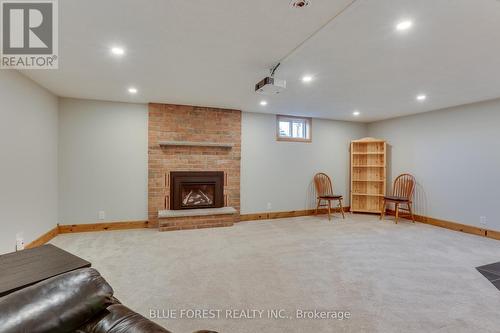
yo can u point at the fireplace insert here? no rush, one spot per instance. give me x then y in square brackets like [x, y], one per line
[196, 189]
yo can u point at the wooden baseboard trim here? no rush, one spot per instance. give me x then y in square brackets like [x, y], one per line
[46, 237]
[69, 228]
[469, 229]
[285, 214]
[493, 234]
[106, 226]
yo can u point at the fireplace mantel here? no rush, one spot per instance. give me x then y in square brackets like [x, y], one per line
[196, 144]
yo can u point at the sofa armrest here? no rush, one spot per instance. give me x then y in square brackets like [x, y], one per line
[117, 318]
[57, 305]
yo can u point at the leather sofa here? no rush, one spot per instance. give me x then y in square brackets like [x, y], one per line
[80, 301]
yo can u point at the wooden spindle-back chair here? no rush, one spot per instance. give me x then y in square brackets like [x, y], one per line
[324, 191]
[402, 194]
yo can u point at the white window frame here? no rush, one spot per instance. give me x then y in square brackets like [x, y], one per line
[291, 119]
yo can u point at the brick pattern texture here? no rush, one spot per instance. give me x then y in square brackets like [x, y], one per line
[197, 124]
[196, 222]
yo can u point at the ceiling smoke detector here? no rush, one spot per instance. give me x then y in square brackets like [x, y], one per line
[299, 3]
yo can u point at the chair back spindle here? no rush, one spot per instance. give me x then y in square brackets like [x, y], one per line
[323, 185]
[404, 186]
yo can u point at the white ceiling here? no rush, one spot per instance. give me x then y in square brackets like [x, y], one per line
[211, 53]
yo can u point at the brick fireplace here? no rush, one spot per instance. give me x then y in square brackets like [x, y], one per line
[194, 165]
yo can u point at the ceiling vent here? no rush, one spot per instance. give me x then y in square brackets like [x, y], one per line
[300, 3]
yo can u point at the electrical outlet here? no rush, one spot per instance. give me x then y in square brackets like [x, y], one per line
[102, 215]
[483, 220]
[19, 243]
[269, 205]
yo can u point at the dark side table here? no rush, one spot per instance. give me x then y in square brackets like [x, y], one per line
[24, 268]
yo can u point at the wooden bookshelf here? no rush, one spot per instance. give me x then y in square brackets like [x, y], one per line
[368, 175]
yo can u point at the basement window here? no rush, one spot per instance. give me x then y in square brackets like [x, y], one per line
[290, 128]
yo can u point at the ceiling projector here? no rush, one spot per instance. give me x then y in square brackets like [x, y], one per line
[270, 86]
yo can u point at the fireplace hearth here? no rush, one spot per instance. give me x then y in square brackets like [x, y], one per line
[196, 189]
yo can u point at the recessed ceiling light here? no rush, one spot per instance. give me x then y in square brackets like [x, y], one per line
[132, 90]
[118, 51]
[299, 3]
[421, 97]
[404, 25]
[356, 113]
[307, 78]
[263, 103]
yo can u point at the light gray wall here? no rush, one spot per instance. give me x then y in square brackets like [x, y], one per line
[28, 165]
[102, 161]
[103, 157]
[281, 173]
[455, 156]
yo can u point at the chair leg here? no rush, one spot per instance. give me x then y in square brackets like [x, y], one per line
[329, 207]
[382, 211]
[397, 212]
[411, 212]
[317, 206]
[341, 208]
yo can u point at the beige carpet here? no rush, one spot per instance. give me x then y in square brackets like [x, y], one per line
[391, 278]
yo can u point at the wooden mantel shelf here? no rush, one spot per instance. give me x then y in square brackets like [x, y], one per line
[195, 144]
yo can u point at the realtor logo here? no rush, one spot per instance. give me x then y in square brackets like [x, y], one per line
[29, 34]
